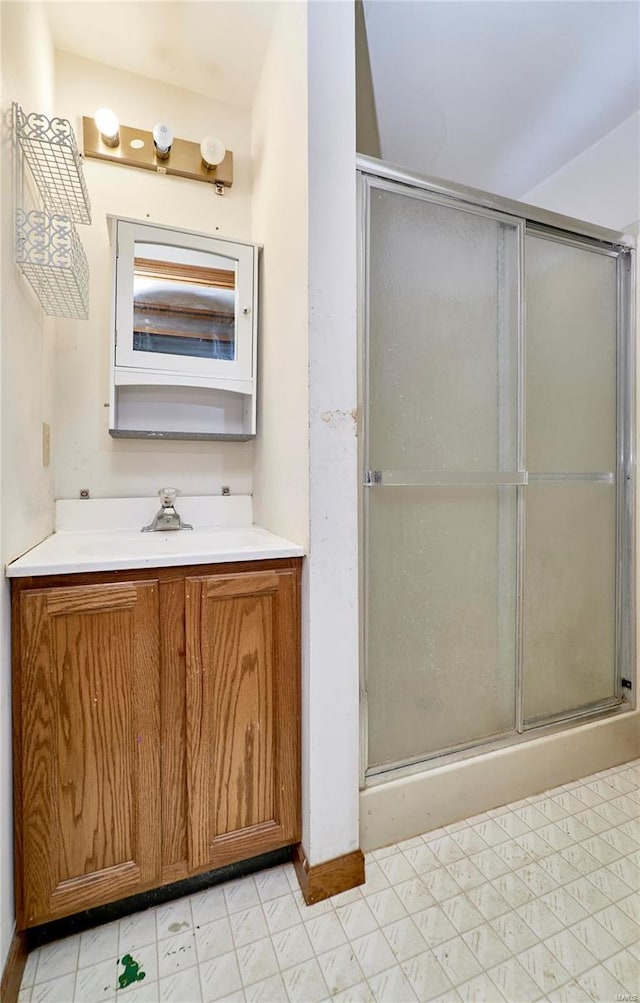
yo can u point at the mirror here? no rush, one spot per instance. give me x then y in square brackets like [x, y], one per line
[183, 309]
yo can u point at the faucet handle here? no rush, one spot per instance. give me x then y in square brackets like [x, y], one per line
[168, 496]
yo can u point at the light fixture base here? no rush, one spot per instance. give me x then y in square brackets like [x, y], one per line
[184, 161]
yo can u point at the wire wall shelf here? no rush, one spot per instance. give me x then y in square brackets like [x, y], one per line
[51, 257]
[50, 149]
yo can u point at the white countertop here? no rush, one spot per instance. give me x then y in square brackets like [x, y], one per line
[106, 540]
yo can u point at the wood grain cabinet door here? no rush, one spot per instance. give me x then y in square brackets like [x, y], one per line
[243, 715]
[88, 747]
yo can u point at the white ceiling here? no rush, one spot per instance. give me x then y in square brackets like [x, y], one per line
[214, 48]
[500, 95]
[497, 95]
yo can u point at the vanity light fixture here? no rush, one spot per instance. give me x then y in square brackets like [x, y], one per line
[162, 140]
[108, 126]
[212, 151]
[158, 150]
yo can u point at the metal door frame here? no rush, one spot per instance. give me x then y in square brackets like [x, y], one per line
[374, 173]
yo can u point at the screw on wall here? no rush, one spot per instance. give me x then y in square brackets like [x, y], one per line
[226, 491]
[84, 492]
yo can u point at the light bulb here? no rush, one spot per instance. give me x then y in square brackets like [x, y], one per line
[108, 126]
[162, 140]
[212, 151]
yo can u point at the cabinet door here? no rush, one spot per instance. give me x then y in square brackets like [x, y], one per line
[243, 715]
[87, 745]
[184, 304]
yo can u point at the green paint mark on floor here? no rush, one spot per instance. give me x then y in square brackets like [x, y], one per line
[131, 972]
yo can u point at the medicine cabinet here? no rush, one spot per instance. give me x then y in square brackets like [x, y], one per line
[184, 333]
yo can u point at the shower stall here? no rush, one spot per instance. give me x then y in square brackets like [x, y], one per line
[497, 464]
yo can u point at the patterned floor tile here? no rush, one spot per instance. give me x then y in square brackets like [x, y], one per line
[564, 906]
[56, 959]
[486, 946]
[414, 895]
[434, 926]
[422, 859]
[513, 930]
[247, 925]
[387, 906]
[600, 984]
[174, 918]
[426, 977]
[374, 953]
[462, 913]
[515, 983]
[596, 939]
[529, 901]
[256, 961]
[281, 913]
[571, 954]
[176, 953]
[544, 967]
[340, 968]
[182, 986]
[392, 985]
[625, 930]
[325, 932]
[305, 983]
[58, 990]
[480, 989]
[488, 900]
[100, 944]
[271, 883]
[404, 939]
[355, 994]
[440, 884]
[457, 961]
[97, 982]
[206, 906]
[271, 990]
[625, 969]
[376, 879]
[292, 946]
[240, 894]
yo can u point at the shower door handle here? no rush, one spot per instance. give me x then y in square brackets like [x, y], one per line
[444, 478]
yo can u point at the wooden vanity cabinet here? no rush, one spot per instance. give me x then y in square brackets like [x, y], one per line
[157, 728]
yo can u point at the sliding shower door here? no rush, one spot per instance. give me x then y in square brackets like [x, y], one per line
[569, 625]
[444, 454]
[491, 503]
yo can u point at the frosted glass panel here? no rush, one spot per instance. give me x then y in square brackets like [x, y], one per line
[443, 296]
[569, 597]
[571, 358]
[440, 619]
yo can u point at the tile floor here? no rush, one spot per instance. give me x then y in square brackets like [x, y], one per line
[538, 900]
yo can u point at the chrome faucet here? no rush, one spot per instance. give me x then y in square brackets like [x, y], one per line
[167, 517]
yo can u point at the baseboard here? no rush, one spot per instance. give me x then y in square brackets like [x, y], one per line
[13, 969]
[324, 880]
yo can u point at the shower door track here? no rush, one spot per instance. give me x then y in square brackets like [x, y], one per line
[405, 768]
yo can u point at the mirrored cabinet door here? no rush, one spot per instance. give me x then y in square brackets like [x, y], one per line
[184, 308]
[184, 303]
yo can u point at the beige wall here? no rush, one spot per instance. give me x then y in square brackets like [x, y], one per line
[26, 498]
[602, 184]
[279, 222]
[84, 455]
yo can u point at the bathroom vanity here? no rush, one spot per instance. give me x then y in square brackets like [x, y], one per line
[156, 703]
